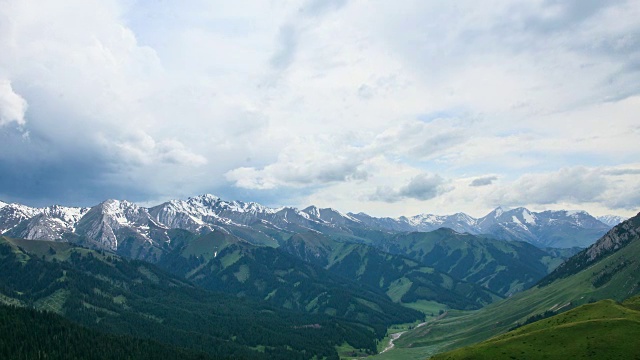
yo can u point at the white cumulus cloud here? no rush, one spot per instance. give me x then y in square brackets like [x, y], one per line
[12, 106]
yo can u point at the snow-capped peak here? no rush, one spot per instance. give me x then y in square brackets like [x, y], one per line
[67, 214]
[119, 209]
[23, 209]
[611, 220]
[113, 206]
[312, 210]
[205, 199]
[2, 204]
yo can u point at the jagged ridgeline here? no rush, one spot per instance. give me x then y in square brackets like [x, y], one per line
[105, 292]
[609, 269]
[113, 223]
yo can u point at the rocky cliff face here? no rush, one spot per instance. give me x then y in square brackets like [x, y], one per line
[48, 223]
[615, 239]
[110, 221]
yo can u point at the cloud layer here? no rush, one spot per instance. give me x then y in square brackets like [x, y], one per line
[388, 108]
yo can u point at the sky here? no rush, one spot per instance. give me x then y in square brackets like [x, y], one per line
[385, 107]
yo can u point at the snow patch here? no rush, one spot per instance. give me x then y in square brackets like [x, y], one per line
[528, 217]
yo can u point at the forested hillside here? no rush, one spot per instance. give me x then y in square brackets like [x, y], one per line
[120, 296]
[31, 334]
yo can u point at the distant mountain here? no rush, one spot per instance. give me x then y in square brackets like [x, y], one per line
[608, 269]
[50, 223]
[459, 222]
[611, 220]
[560, 229]
[13, 214]
[136, 231]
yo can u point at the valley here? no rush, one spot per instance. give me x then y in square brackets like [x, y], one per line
[120, 268]
[606, 270]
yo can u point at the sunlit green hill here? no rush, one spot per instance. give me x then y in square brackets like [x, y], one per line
[603, 330]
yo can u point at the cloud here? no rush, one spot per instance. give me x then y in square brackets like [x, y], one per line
[624, 199]
[319, 7]
[621, 172]
[289, 34]
[615, 188]
[576, 185]
[483, 181]
[422, 140]
[304, 163]
[558, 16]
[421, 187]
[12, 106]
[287, 46]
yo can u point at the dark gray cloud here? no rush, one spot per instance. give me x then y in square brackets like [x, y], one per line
[421, 187]
[37, 171]
[483, 181]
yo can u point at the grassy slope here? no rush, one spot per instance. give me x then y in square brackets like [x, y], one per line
[603, 330]
[228, 264]
[404, 280]
[465, 328]
[501, 266]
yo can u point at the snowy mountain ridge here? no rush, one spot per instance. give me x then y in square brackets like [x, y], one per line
[113, 221]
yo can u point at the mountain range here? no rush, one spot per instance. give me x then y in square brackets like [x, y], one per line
[113, 223]
[123, 268]
[319, 260]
